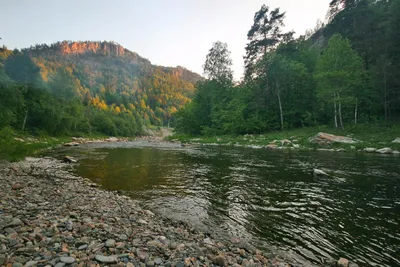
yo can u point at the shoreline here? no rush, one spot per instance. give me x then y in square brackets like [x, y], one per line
[50, 217]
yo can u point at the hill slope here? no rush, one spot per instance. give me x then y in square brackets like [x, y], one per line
[104, 76]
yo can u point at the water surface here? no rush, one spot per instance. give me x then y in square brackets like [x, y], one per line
[270, 198]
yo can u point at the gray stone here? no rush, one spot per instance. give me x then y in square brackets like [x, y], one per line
[83, 247]
[16, 222]
[2, 259]
[369, 149]
[17, 264]
[397, 140]
[60, 264]
[69, 225]
[110, 243]
[150, 264]
[106, 259]
[158, 261]
[67, 260]
[31, 263]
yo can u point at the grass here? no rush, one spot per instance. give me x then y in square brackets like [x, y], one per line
[15, 146]
[371, 135]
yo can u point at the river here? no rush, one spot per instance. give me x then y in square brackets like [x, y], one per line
[270, 198]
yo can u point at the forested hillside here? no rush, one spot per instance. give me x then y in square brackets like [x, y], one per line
[344, 72]
[88, 87]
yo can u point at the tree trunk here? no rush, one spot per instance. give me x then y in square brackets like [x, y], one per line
[340, 112]
[385, 94]
[355, 111]
[280, 109]
[334, 106]
[24, 122]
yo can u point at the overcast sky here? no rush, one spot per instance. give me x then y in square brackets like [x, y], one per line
[167, 32]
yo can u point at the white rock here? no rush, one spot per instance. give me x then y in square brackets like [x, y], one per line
[142, 221]
[369, 149]
[148, 213]
[397, 140]
[385, 150]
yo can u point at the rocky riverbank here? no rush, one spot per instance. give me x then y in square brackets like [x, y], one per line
[49, 217]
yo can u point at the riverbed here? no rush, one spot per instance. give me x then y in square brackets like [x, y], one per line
[270, 198]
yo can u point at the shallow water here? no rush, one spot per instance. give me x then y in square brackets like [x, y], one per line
[270, 198]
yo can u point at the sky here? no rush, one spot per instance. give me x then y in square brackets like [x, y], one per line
[167, 32]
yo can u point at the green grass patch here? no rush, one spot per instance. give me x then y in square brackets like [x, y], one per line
[371, 135]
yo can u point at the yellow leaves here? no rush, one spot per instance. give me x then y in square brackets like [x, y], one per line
[142, 104]
[131, 106]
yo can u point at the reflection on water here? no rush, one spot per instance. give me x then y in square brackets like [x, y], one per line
[270, 198]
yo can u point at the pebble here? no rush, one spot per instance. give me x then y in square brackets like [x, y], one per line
[31, 263]
[158, 261]
[59, 219]
[67, 260]
[106, 259]
[110, 243]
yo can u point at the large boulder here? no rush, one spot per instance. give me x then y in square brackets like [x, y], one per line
[326, 139]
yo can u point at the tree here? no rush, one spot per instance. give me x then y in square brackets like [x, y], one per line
[264, 35]
[218, 63]
[338, 73]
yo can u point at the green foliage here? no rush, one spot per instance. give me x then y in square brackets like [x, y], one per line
[291, 83]
[218, 63]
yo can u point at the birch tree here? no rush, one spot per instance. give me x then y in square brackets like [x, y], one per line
[339, 72]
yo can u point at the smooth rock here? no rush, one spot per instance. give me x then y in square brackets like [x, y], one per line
[110, 243]
[397, 140]
[83, 247]
[150, 264]
[369, 149]
[326, 139]
[17, 264]
[106, 259]
[31, 263]
[141, 221]
[158, 261]
[385, 150]
[342, 262]
[67, 260]
[148, 213]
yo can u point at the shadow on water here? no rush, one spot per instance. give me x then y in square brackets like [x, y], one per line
[269, 198]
